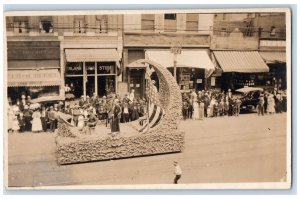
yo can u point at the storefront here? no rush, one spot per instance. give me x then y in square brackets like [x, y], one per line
[89, 71]
[277, 64]
[193, 67]
[33, 69]
[242, 68]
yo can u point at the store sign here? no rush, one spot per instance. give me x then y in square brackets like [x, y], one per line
[213, 81]
[272, 43]
[199, 81]
[74, 68]
[33, 50]
[106, 68]
[33, 78]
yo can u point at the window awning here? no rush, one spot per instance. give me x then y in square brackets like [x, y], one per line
[241, 61]
[92, 55]
[273, 57]
[47, 77]
[187, 58]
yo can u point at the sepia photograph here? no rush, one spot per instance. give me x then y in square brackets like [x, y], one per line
[148, 99]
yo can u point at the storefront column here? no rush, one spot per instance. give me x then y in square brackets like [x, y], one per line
[62, 72]
[96, 79]
[84, 81]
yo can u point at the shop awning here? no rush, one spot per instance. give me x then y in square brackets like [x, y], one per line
[92, 55]
[48, 77]
[273, 57]
[241, 61]
[187, 58]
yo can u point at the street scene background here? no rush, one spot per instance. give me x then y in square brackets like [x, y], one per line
[87, 73]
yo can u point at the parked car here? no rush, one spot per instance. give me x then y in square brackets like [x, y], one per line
[250, 98]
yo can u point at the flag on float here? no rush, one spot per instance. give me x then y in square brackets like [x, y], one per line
[154, 111]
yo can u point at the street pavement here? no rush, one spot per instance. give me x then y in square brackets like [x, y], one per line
[248, 148]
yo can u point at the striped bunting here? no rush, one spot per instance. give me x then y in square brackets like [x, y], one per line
[155, 112]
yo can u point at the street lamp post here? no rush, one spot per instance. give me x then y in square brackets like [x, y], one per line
[176, 49]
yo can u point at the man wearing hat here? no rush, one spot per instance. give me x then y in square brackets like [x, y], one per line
[27, 118]
[22, 103]
[28, 101]
[260, 105]
[177, 172]
[92, 119]
[76, 113]
[81, 101]
[52, 118]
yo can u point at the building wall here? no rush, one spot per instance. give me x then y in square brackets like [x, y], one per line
[267, 21]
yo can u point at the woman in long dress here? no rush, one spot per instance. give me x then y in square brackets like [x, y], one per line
[36, 121]
[271, 104]
[196, 110]
[115, 120]
[81, 120]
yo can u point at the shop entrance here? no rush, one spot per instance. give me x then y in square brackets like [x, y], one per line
[137, 77]
[90, 85]
[106, 85]
[76, 85]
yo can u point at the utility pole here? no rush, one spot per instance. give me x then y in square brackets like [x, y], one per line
[175, 49]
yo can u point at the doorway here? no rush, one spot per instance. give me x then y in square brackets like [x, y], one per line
[136, 82]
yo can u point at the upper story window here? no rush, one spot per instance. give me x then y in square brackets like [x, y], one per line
[192, 22]
[20, 25]
[273, 31]
[101, 24]
[148, 22]
[46, 25]
[79, 24]
[170, 22]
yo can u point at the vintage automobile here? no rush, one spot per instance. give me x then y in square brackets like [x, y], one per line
[249, 98]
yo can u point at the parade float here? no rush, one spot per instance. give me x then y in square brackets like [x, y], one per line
[74, 146]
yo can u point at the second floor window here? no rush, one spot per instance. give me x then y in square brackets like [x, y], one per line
[79, 24]
[20, 25]
[192, 22]
[170, 22]
[273, 31]
[101, 24]
[46, 26]
[148, 22]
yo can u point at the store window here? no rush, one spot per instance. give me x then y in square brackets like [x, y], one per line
[170, 22]
[192, 22]
[74, 68]
[148, 22]
[79, 24]
[101, 24]
[106, 68]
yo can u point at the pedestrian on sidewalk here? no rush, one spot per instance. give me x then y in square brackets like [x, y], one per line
[178, 172]
[260, 105]
[36, 121]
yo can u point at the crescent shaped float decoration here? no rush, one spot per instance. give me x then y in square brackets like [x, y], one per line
[169, 97]
[165, 137]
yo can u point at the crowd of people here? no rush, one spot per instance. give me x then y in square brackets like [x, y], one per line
[211, 103]
[108, 110]
[113, 109]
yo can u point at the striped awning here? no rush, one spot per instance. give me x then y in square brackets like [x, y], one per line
[92, 55]
[47, 77]
[273, 57]
[241, 61]
[187, 58]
